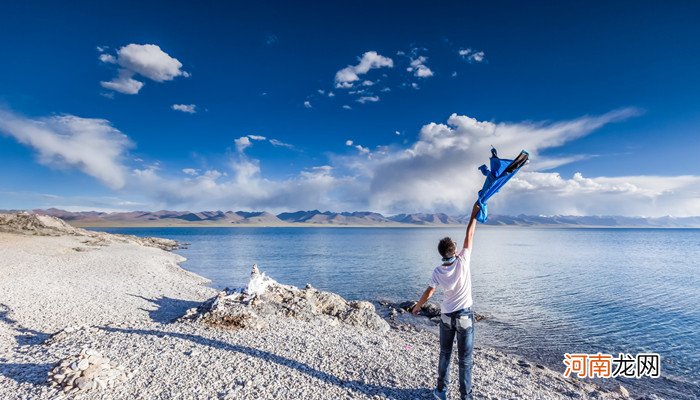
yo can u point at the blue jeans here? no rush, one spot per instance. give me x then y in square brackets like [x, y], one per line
[460, 322]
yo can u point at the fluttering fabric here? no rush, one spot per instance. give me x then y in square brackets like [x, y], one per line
[501, 172]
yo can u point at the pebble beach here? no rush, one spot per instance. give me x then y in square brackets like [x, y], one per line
[122, 308]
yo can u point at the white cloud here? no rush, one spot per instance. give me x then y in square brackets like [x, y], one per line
[186, 108]
[347, 107]
[419, 68]
[418, 178]
[370, 60]
[124, 83]
[90, 145]
[652, 196]
[362, 149]
[437, 172]
[150, 61]
[147, 60]
[423, 72]
[464, 52]
[307, 104]
[331, 94]
[108, 58]
[247, 189]
[471, 55]
[279, 143]
[242, 143]
[368, 99]
[478, 56]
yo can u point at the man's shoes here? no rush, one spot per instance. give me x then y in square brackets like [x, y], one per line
[440, 395]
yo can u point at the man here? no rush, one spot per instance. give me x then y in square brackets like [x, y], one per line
[457, 318]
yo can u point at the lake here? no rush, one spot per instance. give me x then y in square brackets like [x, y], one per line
[545, 291]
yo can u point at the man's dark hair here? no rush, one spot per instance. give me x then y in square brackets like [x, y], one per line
[447, 247]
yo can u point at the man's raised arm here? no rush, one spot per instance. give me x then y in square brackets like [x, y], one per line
[471, 227]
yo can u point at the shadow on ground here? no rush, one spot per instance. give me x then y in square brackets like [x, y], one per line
[25, 336]
[167, 309]
[36, 374]
[354, 385]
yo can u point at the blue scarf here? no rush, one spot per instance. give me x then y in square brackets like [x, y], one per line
[448, 261]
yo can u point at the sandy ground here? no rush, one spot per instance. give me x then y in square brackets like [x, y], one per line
[126, 296]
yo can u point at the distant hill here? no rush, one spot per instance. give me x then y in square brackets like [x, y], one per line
[357, 218]
[333, 218]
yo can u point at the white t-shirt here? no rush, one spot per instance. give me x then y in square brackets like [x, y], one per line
[455, 279]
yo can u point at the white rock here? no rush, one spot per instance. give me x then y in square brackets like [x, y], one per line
[624, 392]
[83, 364]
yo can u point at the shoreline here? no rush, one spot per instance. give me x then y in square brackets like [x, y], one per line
[122, 299]
[398, 226]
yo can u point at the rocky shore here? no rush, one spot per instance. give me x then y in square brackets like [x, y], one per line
[96, 316]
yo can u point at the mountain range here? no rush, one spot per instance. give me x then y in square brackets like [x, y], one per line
[357, 218]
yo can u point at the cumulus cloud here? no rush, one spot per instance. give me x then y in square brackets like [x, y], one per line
[186, 108]
[420, 177]
[471, 55]
[346, 77]
[123, 83]
[419, 68]
[190, 171]
[108, 58]
[307, 104]
[242, 143]
[257, 137]
[90, 145]
[146, 60]
[150, 61]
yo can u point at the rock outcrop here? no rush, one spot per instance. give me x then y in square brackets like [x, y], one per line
[399, 314]
[43, 225]
[263, 298]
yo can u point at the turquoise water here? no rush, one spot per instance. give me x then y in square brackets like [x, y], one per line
[545, 291]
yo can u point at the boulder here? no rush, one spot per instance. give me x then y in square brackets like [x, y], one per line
[264, 297]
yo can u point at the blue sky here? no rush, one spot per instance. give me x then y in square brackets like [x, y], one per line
[604, 94]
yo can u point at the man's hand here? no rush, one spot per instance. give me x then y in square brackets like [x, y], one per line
[426, 295]
[416, 309]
